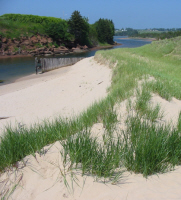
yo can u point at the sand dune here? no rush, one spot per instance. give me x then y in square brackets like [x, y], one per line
[66, 92]
[41, 179]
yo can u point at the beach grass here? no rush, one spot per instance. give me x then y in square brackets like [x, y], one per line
[22, 141]
[145, 146]
[143, 106]
[149, 148]
[85, 152]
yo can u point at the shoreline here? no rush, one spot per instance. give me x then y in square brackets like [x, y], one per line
[105, 47]
[32, 79]
[4, 82]
[82, 51]
[72, 88]
[15, 56]
[139, 38]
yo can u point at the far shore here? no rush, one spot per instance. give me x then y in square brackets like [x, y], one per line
[105, 47]
[139, 38]
[15, 56]
[29, 55]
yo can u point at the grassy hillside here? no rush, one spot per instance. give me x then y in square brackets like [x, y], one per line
[27, 33]
[16, 29]
[144, 147]
[160, 59]
[32, 18]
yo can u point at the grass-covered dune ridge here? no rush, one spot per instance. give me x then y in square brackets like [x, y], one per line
[144, 146]
[147, 148]
[160, 59]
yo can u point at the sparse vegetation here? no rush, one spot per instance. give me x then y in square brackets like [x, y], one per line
[95, 159]
[144, 147]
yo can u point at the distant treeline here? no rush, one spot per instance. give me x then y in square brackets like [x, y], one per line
[158, 36]
[164, 29]
[154, 33]
[127, 32]
[77, 29]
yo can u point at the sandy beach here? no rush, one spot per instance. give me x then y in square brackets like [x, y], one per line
[66, 92]
[63, 92]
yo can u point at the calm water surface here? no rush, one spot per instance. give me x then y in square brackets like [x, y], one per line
[14, 68]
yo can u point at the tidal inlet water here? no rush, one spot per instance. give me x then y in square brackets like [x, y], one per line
[13, 68]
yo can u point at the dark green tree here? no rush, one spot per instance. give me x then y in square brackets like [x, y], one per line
[93, 35]
[79, 27]
[58, 31]
[105, 30]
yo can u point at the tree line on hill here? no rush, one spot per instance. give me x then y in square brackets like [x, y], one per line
[76, 29]
[155, 33]
[163, 35]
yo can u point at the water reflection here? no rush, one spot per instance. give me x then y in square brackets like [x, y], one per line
[129, 43]
[14, 68]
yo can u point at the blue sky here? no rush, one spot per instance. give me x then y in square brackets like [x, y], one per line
[124, 13]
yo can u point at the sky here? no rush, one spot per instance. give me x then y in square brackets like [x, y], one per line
[138, 14]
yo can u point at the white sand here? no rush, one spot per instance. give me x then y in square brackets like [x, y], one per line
[41, 180]
[61, 93]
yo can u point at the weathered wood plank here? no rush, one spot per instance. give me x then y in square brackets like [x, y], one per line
[48, 64]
